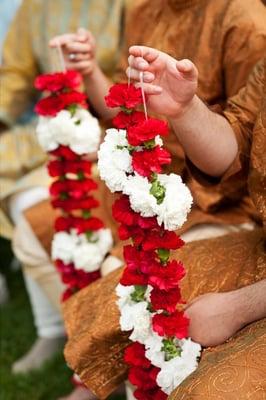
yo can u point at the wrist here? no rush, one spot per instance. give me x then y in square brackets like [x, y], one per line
[185, 111]
[92, 74]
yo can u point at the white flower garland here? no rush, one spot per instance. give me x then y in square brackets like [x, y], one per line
[81, 131]
[115, 166]
[84, 253]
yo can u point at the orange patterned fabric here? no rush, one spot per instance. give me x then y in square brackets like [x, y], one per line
[96, 345]
[235, 370]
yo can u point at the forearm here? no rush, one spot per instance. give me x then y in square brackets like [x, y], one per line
[250, 302]
[97, 86]
[207, 138]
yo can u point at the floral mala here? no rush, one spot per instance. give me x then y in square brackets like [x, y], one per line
[151, 207]
[68, 132]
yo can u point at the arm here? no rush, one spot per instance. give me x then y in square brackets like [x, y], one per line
[215, 317]
[206, 137]
[19, 68]
[82, 47]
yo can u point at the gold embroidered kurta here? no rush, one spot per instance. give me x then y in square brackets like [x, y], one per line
[236, 369]
[225, 39]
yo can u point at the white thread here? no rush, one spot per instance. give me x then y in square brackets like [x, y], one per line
[143, 94]
[61, 57]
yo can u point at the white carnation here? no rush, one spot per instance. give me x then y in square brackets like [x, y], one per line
[137, 318]
[45, 135]
[173, 372]
[86, 255]
[114, 160]
[105, 241]
[81, 132]
[86, 134]
[124, 295]
[138, 190]
[153, 346]
[177, 202]
[63, 246]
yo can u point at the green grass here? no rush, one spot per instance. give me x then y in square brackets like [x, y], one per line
[17, 334]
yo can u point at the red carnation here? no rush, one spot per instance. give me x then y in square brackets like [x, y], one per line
[73, 204]
[49, 106]
[167, 276]
[135, 355]
[68, 293]
[74, 98]
[174, 325]
[147, 161]
[124, 121]
[165, 300]
[122, 211]
[74, 188]
[140, 261]
[135, 232]
[123, 95]
[154, 394]
[146, 130]
[63, 224]
[58, 81]
[60, 168]
[65, 152]
[143, 378]
[53, 104]
[131, 277]
[161, 239]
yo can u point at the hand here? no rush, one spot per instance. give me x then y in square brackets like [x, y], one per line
[214, 318]
[78, 49]
[171, 84]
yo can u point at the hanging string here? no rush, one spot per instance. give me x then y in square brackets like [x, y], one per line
[129, 76]
[143, 94]
[61, 57]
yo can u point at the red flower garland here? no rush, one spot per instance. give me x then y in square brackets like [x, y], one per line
[71, 189]
[147, 258]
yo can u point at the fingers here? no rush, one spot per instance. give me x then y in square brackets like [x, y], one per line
[75, 57]
[77, 47]
[62, 40]
[187, 69]
[134, 75]
[147, 53]
[149, 88]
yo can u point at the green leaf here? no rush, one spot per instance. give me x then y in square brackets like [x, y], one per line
[127, 111]
[86, 214]
[163, 255]
[158, 191]
[139, 293]
[171, 349]
[150, 144]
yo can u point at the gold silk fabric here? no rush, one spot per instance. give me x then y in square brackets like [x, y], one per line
[235, 370]
[224, 39]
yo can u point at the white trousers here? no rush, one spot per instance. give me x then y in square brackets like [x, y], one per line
[41, 278]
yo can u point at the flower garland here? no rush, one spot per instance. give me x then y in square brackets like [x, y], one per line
[68, 132]
[151, 207]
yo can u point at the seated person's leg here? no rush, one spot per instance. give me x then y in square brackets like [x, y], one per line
[41, 280]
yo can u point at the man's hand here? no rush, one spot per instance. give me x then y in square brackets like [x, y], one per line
[213, 318]
[173, 82]
[78, 49]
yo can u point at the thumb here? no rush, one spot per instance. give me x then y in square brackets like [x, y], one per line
[82, 34]
[187, 69]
